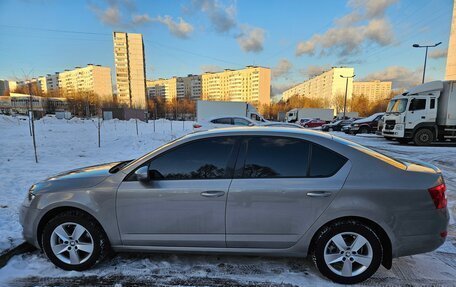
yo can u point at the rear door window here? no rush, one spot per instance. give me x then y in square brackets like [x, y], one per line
[276, 157]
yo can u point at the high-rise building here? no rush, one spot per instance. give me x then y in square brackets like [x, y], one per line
[91, 79]
[450, 73]
[175, 88]
[252, 84]
[372, 90]
[328, 86]
[4, 87]
[130, 69]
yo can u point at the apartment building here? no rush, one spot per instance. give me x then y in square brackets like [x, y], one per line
[251, 84]
[175, 88]
[130, 66]
[4, 87]
[92, 79]
[327, 86]
[450, 71]
[372, 90]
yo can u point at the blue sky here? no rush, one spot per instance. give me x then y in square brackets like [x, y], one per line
[295, 38]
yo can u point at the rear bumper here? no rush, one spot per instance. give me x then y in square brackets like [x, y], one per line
[420, 235]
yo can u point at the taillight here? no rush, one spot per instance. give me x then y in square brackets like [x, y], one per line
[438, 195]
[196, 126]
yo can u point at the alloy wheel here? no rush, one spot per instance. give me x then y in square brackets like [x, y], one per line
[348, 254]
[71, 243]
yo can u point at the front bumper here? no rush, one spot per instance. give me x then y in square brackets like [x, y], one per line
[394, 133]
[27, 216]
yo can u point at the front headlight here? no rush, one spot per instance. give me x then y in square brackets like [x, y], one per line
[355, 125]
[31, 195]
[399, 127]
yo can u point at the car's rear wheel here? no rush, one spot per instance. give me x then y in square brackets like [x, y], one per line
[347, 252]
[72, 240]
[330, 129]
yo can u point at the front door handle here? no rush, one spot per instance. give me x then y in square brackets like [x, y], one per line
[212, 193]
[423, 117]
[319, 194]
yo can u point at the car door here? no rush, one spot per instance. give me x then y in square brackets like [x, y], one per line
[183, 205]
[281, 186]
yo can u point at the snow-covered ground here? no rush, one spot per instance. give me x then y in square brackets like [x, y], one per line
[63, 145]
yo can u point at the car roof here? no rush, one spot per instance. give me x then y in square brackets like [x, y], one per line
[260, 130]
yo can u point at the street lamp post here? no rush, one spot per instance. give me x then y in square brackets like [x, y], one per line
[425, 55]
[346, 90]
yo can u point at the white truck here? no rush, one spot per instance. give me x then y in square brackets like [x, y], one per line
[424, 114]
[205, 110]
[295, 115]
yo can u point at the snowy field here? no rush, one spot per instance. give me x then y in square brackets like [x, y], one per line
[64, 145]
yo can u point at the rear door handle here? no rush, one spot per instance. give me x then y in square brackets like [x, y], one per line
[319, 194]
[212, 193]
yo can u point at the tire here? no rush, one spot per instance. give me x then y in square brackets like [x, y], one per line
[363, 130]
[423, 137]
[350, 231]
[330, 130]
[388, 138]
[91, 240]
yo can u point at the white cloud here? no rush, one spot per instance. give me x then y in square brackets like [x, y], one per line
[141, 19]
[365, 24]
[251, 39]
[222, 18]
[312, 70]
[110, 16]
[283, 68]
[401, 77]
[179, 28]
[437, 54]
[210, 68]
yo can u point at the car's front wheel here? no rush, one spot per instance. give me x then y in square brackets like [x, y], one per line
[347, 252]
[73, 241]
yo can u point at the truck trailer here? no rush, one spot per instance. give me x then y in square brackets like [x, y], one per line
[424, 114]
[205, 110]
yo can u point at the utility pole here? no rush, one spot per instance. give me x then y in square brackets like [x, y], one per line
[425, 55]
[31, 118]
[346, 91]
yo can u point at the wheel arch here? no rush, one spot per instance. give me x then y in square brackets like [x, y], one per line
[57, 210]
[381, 233]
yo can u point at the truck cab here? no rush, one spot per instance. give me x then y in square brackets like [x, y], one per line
[414, 115]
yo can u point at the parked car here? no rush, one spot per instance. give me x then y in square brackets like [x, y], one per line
[345, 129]
[244, 190]
[303, 121]
[282, 124]
[314, 123]
[366, 125]
[336, 126]
[223, 122]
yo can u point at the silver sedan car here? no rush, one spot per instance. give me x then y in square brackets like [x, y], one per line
[257, 190]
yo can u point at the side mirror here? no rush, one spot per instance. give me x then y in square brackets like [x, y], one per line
[142, 174]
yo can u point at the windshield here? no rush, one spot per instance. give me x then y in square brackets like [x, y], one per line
[397, 106]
